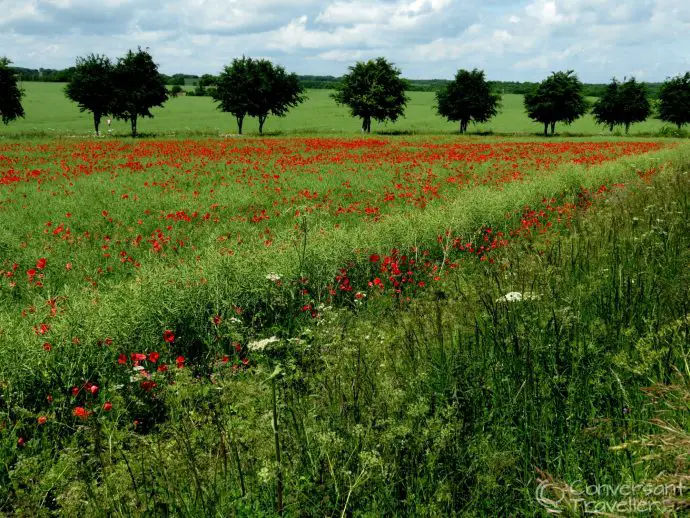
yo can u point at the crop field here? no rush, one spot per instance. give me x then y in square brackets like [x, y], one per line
[49, 112]
[334, 326]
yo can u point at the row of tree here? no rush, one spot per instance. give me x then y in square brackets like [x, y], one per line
[312, 82]
[373, 90]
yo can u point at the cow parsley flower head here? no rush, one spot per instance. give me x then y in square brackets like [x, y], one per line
[260, 345]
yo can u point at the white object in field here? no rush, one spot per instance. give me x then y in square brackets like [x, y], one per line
[261, 344]
[516, 296]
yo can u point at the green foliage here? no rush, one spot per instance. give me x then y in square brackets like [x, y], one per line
[138, 87]
[373, 90]
[176, 90]
[256, 88]
[558, 98]
[674, 100]
[91, 86]
[10, 94]
[622, 104]
[467, 98]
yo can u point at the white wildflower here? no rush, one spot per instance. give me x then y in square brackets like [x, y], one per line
[273, 277]
[260, 345]
[235, 320]
[516, 296]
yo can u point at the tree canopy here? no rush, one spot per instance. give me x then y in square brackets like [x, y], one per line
[10, 93]
[373, 90]
[256, 88]
[138, 87]
[467, 98]
[91, 86]
[674, 100]
[622, 104]
[558, 98]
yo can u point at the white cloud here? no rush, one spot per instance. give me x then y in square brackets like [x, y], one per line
[518, 39]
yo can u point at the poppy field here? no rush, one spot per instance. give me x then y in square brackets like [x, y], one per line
[330, 326]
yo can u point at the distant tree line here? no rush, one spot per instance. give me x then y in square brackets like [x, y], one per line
[372, 90]
[327, 82]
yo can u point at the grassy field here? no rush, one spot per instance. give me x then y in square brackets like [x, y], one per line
[410, 326]
[48, 111]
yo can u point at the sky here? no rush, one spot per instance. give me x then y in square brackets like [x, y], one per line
[510, 40]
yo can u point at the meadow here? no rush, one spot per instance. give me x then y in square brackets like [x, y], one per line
[49, 112]
[339, 326]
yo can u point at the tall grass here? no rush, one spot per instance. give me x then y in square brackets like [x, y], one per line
[454, 403]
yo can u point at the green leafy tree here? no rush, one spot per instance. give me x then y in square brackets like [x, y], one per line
[558, 98]
[138, 87]
[10, 93]
[467, 98]
[373, 90]
[622, 104]
[91, 86]
[176, 90]
[275, 91]
[674, 100]
[256, 88]
[234, 88]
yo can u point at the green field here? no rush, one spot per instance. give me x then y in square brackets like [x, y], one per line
[49, 112]
[330, 326]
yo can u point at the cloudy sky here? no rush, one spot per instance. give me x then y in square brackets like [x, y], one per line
[511, 40]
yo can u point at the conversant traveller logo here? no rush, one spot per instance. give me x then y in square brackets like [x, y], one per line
[610, 500]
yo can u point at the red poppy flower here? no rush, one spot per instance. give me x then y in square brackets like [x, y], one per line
[122, 359]
[75, 391]
[374, 258]
[41, 263]
[148, 385]
[81, 412]
[138, 357]
[217, 320]
[180, 362]
[107, 406]
[47, 346]
[162, 368]
[168, 336]
[153, 356]
[42, 420]
[93, 389]
[21, 441]
[41, 329]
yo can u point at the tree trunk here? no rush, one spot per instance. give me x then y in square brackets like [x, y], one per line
[262, 119]
[627, 127]
[546, 128]
[553, 127]
[366, 124]
[611, 127]
[133, 120]
[96, 121]
[240, 120]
